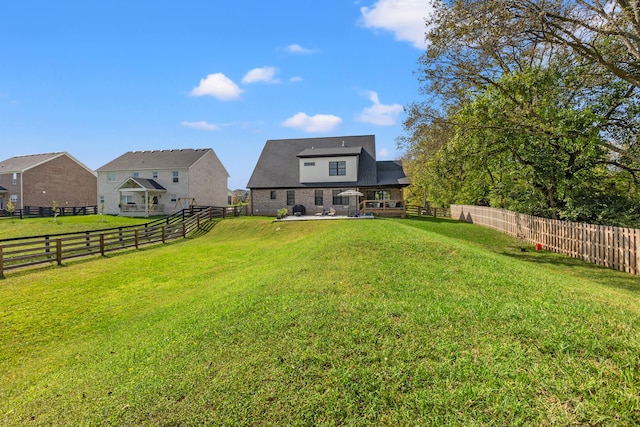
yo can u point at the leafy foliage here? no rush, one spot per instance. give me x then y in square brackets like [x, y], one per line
[519, 119]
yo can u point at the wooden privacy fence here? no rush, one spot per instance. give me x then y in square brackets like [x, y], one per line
[415, 210]
[30, 251]
[614, 247]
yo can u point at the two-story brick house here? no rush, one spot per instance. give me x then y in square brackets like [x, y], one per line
[40, 179]
[313, 172]
[156, 182]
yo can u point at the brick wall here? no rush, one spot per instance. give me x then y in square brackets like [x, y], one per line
[60, 179]
[262, 203]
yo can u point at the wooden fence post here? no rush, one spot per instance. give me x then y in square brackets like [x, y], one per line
[163, 233]
[59, 251]
[135, 232]
[184, 228]
[1, 264]
[102, 244]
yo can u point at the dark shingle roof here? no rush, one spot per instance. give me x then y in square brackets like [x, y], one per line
[390, 172]
[331, 152]
[155, 159]
[147, 184]
[151, 184]
[279, 167]
[23, 163]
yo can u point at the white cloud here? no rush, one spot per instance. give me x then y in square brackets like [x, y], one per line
[295, 79]
[380, 114]
[296, 48]
[202, 125]
[264, 74]
[404, 18]
[219, 86]
[383, 153]
[317, 123]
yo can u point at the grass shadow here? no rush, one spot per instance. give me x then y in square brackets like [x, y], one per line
[509, 246]
[205, 228]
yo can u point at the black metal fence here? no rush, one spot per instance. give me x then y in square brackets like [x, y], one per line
[48, 211]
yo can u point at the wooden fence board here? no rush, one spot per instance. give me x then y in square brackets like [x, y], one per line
[31, 251]
[614, 247]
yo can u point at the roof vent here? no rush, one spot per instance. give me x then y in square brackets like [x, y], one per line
[343, 143]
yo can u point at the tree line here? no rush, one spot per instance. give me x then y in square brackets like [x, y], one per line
[529, 105]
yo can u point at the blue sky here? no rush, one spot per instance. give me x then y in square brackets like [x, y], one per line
[99, 78]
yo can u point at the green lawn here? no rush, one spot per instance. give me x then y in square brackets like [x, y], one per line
[370, 322]
[16, 227]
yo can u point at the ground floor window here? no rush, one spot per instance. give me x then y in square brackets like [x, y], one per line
[339, 200]
[272, 196]
[127, 199]
[319, 198]
[291, 197]
[379, 195]
[173, 197]
[14, 198]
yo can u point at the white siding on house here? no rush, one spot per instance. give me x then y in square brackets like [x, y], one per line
[208, 181]
[318, 169]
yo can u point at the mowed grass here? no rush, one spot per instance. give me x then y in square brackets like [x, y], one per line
[372, 322]
[16, 227]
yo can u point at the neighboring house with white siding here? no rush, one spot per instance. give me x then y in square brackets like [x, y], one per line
[156, 182]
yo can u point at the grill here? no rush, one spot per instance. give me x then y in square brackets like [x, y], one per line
[299, 210]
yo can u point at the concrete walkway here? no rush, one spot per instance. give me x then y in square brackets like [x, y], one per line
[320, 217]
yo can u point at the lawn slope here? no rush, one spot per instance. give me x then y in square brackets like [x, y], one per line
[384, 322]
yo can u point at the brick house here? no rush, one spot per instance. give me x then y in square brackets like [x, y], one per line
[40, 179]
[139, 183]
[312, 172]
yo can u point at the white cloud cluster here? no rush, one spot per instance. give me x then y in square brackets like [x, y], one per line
[202, 125]
[264, 74]
[380, 114]
[404, 18]
[313, 124]
[219, 86]
[297, 49]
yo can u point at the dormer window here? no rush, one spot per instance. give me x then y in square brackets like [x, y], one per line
[337, 168]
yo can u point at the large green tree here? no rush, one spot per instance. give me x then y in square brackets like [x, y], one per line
[520, 116]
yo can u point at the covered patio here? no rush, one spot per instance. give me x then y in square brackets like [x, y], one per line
[139, 197]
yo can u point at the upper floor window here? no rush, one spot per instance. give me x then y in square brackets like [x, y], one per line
[111, 177]
[155, 174]
[176, 176]
[337, 168]
[136, 174]
[309, 163]
[14, 180]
